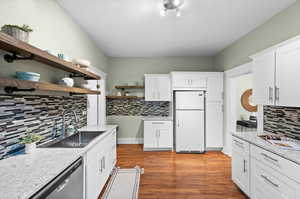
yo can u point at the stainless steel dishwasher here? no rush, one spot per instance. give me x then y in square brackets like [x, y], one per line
[67, 185]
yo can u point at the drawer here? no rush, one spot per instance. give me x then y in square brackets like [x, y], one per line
[159, 124]
[240, 146]
[282, 165]
[267, 183]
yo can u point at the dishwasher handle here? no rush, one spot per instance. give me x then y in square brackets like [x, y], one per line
[59, 183]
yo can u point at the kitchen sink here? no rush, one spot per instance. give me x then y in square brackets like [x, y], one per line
[77, 140]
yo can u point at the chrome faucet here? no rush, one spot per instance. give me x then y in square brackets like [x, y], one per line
[65, 113]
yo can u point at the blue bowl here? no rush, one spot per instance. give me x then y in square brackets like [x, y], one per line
[30, 76]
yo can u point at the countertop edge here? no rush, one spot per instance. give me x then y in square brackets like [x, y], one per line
[266, 148]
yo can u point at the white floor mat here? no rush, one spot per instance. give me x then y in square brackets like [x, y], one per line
[124, 184]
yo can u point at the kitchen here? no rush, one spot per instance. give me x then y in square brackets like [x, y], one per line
[115, 115]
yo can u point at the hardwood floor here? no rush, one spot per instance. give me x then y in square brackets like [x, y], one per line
[181, 176]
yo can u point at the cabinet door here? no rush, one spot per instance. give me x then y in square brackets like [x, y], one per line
[215, 88]
[94, 173]
[214, 125]
[165, 135]
[151, 93]
[198, 81]
[150, 135]
[267, 183]
[240, 171]
[163, 87]
[287, 75]
[264, 79]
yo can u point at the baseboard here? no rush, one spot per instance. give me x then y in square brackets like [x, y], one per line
[213, 149]
[130, 140]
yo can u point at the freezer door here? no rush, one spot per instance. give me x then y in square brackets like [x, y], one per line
[190, 131]
[189, 100]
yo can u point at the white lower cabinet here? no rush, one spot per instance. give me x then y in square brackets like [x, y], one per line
[99, 162]
[158, 135]
[267, 183]
[241, 165]
[262, 174]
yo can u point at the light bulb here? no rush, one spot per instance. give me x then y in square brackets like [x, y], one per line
[163, 12]
[178, 13]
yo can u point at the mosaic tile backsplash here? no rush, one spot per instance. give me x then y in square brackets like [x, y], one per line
[136, 107]
[38, 114]
[282, 120]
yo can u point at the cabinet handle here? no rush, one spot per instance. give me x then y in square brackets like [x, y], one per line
[269, 158]
[239, 144]
[270, 94]
[245, 170]
[104, 163]
[101, 165]
[270, 181]
[277, 94]
[158, 133]
[157, 122]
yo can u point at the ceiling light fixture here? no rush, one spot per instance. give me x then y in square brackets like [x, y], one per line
[171, 5]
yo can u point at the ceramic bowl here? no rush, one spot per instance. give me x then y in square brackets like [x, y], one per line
[30, 76]
[67, 82]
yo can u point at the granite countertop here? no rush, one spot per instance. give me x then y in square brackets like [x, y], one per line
[161, 118]
[253, 138]
[23, 175]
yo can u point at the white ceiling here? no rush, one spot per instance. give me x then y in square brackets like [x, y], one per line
[134, 28]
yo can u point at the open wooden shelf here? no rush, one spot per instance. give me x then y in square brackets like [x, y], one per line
[28, 51]
[129, 87]
[123, 97]
[11, 83]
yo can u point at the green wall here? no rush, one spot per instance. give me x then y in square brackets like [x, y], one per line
[279, 28]
[53, 30]
[126, 70]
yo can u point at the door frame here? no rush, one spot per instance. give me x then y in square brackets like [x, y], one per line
[230, 103]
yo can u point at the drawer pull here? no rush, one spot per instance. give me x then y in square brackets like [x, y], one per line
[158, 123]
[269, 181]
[240, 144]
[269, 158]
[245, 170]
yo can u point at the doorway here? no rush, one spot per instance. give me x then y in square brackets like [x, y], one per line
[234, 112]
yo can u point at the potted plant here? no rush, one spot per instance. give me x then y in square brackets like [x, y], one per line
[18, 32]
[30, 141]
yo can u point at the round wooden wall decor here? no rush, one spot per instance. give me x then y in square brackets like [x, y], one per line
[245, 100]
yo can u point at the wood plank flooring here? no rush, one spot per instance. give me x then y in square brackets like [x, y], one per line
[181, 176]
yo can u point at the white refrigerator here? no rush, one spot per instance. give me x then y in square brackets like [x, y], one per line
[190, 121]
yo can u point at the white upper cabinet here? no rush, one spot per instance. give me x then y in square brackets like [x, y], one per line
[287, 75]
[157, 87]
[276, 76]
[214, 87]
[264, 79]
[189, 81]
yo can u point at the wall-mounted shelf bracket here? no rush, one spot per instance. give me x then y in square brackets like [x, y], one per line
[77, 75]
[14, 57]
[11, 90]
